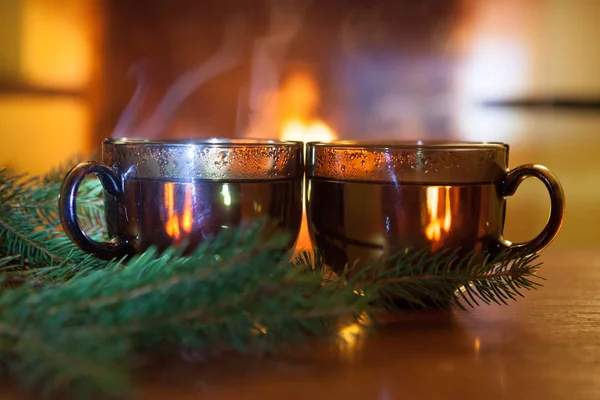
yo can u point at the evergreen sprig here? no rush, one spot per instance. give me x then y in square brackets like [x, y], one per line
[71, 322]
[30, 229]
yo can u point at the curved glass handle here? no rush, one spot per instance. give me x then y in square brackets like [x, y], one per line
[557, 206]
[67, 207]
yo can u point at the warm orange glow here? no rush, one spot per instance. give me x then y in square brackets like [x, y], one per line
[306, 131]
[187, 219]
[58, 42]
[39, 133]
[49, 44]
[172, 225]
[351, 338]
[349, 334]
[433, 230]
[298, 104]
[299, 97]
[447, 213]
[176, 224]
[299, 101]
[440, 219]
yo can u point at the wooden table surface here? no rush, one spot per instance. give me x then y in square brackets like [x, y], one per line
[544, 346]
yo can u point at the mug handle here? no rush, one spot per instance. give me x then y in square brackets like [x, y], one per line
[118, 246]
[509, 186]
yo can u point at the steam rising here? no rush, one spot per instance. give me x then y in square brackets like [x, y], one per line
[285, 20]
[127, 120]
[226, 58]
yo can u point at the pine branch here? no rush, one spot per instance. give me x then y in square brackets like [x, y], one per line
[442, 278]
[23, 241]
[219, 301]
[61, 308]
[36, 198]
[30, 227]
[216, 297]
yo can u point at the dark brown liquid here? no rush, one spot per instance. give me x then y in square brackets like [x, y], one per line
[164, 213]
[360, 221]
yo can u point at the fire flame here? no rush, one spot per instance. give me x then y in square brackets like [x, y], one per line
[296, 129]
[299, 100]
[187, 220]
[440, 220]
[176, 224]
[306, 131]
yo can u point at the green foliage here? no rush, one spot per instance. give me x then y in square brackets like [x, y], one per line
[30, 229]
[72, 323]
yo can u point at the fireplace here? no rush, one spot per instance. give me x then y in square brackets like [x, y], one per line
[296, 69]
[524, 72]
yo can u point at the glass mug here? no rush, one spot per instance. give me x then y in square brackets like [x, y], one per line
[367, 199]
[162, 193]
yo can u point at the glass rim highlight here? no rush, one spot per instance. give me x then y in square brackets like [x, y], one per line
[204, 142]
[379, 145]
[439, 162]
[208, 159]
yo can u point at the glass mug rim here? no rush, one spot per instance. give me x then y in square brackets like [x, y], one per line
[201, 159]
[439, 162]
[204, 142]
[379, 145]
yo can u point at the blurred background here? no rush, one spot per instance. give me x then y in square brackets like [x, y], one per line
[73, 72]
